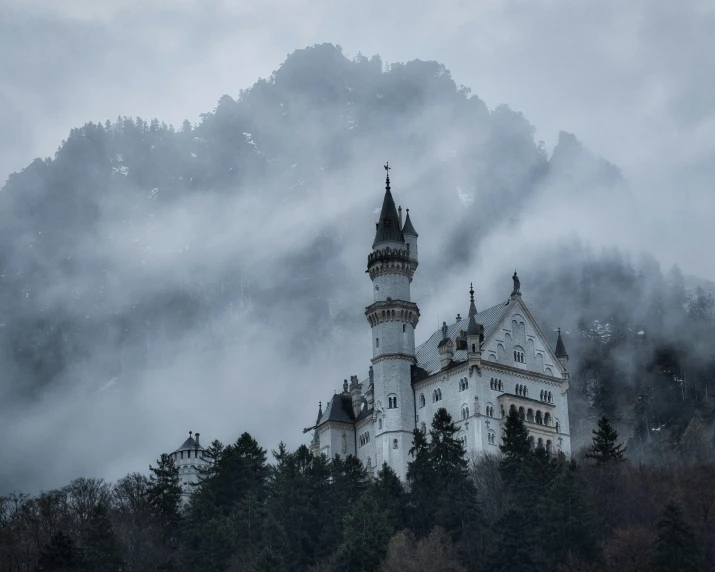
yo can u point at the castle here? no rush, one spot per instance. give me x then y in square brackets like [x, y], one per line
[478, 368]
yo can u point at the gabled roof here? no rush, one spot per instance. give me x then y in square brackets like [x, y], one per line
[388, 227]
[340, 409]
[428, 354]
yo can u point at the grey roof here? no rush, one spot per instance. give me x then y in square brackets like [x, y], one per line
[408, 228]
[560, 348]
[190, 443]
[473, 328]
[388, 228]
[340, 409]
[428, 355]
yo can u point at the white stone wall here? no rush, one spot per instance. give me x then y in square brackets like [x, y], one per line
[396, 286]
[395, 337]
[189, 463]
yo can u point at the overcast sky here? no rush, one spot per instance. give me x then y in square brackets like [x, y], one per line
[632, 80]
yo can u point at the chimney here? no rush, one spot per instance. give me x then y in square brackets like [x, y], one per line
[197, 439]
[399, 216]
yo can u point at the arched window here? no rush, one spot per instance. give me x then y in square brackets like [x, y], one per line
[465, 411]
[539, 419]
[516, 389]
[404, 328]
[439, 394]
[512, 408]
[436, 395]
[551, 399]
[541, 395]
[474, 348]
[521, 413]
[394, 444]
[463, 384]
[422, 400]
[557, 425]
[377, 342]
[379, 423]
[531, 442]
[492, 438]
[540, 443]
[501, 386]
[392, 402]
[491, 383]
[525, 391]
[530, 415]
[547, 418]
[549, 448]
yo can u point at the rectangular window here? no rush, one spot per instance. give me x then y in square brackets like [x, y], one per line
[404, 328]
[182, 454]
[189, 454]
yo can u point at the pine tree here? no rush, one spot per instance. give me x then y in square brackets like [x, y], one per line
[100, 543]
[515, 447]
[676, 548]
[164, 490]
[268, 561]
[605, 448]
[60, 555]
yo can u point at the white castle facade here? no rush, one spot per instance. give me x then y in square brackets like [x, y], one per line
[478, 368]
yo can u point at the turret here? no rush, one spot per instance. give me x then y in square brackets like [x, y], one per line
[356, 394]
[410, 235]
[392, 317]
[445, 348]
[370, 393]
[475, 336]
[560, 352]
[190, 459]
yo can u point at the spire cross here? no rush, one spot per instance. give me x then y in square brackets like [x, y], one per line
[471, 292]
[387, 174]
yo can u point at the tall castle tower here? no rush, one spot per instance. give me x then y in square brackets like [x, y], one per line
[393, 317]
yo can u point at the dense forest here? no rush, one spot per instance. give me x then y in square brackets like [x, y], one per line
[138, 242]
[523, 510]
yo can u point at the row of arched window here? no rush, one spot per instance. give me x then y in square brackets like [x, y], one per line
[180, 454]
[465, 411]
[491, 438]
[519, 356]
[392, 402]
[521, 390]
[546, 396]
[364, 438]
[436, 395]
[540, 444]
[463, 384]
[490, 411]
[535, 417]
[496, 384]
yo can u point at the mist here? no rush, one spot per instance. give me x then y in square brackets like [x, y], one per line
[170, 298]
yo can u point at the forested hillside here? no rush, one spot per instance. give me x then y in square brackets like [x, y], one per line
[138, 242]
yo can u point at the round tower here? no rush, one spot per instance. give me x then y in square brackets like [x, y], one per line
[189, 458]
[392, 318]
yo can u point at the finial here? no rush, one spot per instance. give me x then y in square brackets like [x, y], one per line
[387, 174]
[444, 330]
[190, 432]
[471, 292]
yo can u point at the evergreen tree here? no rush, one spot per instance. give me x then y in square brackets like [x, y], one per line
[515, 447]
[605, 448]
[100, 545]
[164, 490]
[676, 548]
[268, 561]
[60, 555]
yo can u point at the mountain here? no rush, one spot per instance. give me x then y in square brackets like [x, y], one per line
[138, 241]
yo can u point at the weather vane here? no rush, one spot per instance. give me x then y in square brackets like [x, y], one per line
[387, 166]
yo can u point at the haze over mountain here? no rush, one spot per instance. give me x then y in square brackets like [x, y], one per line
[211, 277]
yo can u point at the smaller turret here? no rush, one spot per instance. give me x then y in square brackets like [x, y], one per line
[355, 394]
[410, 235]
[560, 352]
[370, 393]
[315, 442]
[445, 348]
[475, 336]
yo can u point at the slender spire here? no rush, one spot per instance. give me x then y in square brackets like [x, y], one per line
[409, 229]
[472, 303]
[320, 412]
[560, 348]
[388, 227]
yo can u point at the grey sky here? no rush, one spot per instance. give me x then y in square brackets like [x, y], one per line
[632, 80]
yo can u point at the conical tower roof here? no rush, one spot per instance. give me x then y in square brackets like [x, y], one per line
[560, 348]
[388, 228]
[408, 228]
